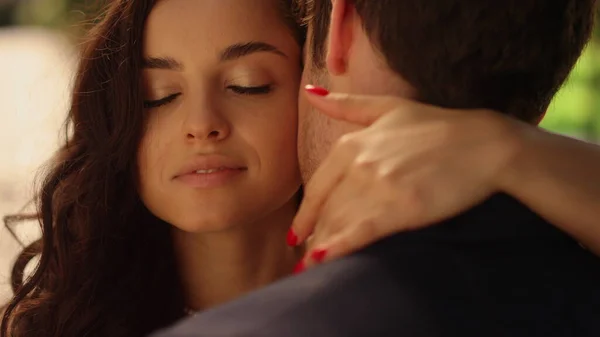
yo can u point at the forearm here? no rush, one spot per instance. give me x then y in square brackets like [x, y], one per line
[559, 178]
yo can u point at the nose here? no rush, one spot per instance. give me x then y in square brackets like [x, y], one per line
[206, 123]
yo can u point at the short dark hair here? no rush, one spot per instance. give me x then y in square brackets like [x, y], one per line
[509, 55]
[288, 12]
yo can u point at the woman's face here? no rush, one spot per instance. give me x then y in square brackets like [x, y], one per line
[220, 82]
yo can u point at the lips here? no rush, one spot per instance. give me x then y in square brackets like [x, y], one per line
[210, 164]
[209, 171]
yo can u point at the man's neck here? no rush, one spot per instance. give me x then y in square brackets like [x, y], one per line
[218, 267]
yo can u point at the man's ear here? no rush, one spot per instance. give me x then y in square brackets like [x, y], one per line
[343, 16]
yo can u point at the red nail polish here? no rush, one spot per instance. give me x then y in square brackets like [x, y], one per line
[316, 90]
[299, 267]
[292, 238]
[318, 255]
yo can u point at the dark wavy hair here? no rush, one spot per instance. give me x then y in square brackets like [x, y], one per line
[106, 266]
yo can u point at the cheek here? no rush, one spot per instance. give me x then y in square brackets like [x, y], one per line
[145, 163]
[316, 132]
[313, 135]
[281, 139]
[274, 139]
[313, 141]
[151, 154]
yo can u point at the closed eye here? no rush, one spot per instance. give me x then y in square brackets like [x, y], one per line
[258, 90]
[160, 102]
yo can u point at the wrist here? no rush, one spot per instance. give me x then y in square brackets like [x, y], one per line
[519, 149]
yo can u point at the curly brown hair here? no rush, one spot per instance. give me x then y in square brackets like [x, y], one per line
[106, 264]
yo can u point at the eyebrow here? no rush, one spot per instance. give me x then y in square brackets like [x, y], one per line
[244, 49]
[162, 63]
[230, 53]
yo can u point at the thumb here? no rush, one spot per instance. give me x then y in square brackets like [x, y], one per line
[357, 109]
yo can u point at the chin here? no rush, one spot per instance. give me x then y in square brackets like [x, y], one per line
[200, 228]
[204, 225]
[197, 215]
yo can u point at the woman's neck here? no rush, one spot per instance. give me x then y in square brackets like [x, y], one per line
[218, 267]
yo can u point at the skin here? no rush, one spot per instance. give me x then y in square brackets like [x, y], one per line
[383, 152]
[229, 236]
[352, 68]
[356, 180]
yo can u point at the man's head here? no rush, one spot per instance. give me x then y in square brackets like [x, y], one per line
[510, 55]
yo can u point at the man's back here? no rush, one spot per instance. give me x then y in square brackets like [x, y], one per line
[497, 270]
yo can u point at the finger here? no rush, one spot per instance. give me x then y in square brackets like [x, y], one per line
[352, 238]
[357, 109]
[344, 206]
[318, 189]
[358, 213]
[366, 220]
[334, 209]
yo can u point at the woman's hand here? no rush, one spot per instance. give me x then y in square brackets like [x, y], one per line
[411, 166]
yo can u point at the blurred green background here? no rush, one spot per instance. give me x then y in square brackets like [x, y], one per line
[575, 110]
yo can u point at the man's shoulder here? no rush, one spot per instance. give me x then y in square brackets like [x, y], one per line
[499, 218]
[426, 284]
[342, 298]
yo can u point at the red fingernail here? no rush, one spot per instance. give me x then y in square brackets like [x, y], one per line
[316, 90]
[318, 255]
[292, 238]
[299, 267]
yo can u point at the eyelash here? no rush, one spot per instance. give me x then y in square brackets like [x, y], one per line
[160, 102]
[258, 90]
